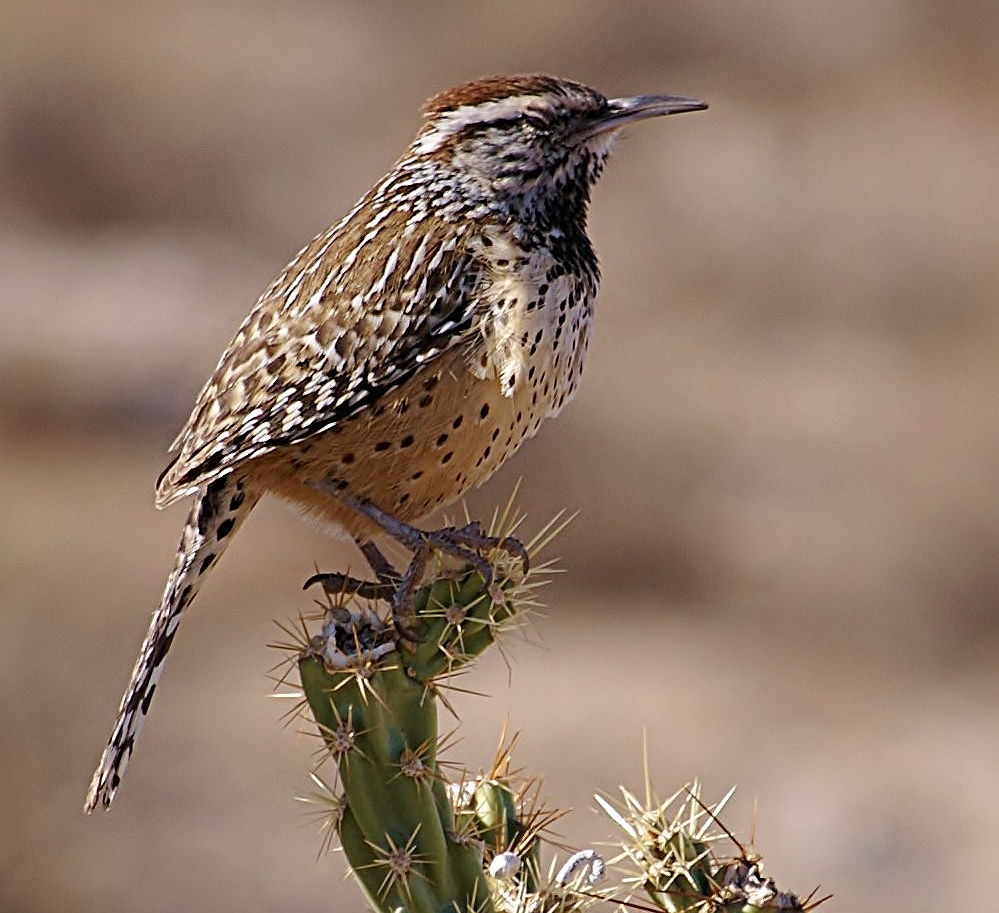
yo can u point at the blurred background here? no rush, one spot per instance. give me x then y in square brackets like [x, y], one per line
[783, 455]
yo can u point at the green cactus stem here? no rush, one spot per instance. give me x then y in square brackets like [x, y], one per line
[673, 850]
[417, 843]
[374, 699]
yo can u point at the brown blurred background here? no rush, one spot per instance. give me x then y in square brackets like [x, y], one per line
[784, 453]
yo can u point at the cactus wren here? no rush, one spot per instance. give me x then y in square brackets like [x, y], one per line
[406, 352]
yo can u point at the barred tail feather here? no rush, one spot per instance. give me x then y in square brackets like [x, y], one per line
[215, 517]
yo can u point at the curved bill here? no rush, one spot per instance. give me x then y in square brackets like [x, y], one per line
[621, 111]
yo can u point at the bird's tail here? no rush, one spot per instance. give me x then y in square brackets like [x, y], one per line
[218, 512]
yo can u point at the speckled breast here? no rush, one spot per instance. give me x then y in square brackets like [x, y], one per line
[455, 422]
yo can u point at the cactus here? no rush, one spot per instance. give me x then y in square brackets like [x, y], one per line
[418, 843]
[376, 709]
[672, 846]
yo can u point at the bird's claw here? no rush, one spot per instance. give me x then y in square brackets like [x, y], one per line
[335, 585]
[466, 543]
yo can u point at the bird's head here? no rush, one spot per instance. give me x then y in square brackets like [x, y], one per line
[532, 139]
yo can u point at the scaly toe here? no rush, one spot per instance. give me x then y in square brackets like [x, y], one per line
[515, 547]
[336, 585]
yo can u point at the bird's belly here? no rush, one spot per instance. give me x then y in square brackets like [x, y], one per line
[441, 432]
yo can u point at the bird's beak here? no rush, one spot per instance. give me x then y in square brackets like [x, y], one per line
[621, 111]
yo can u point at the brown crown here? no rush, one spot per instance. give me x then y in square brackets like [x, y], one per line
[493, 88]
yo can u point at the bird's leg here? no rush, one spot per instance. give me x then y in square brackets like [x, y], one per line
[382, 567]
[463, 542]
[466, 543]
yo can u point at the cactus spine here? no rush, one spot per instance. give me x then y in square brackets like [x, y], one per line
[419, 844]
[375, 702]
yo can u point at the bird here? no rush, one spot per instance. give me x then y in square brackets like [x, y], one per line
[406, 352]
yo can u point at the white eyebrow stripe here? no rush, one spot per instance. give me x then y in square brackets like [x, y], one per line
[455, 121]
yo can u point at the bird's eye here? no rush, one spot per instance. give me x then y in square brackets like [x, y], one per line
[536, 121]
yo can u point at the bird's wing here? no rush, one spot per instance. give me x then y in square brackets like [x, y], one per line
[357, 313]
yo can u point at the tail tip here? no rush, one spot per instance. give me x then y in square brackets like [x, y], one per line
[101, 791]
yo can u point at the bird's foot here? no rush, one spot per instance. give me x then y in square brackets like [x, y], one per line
[338, 585]
[468, 544]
